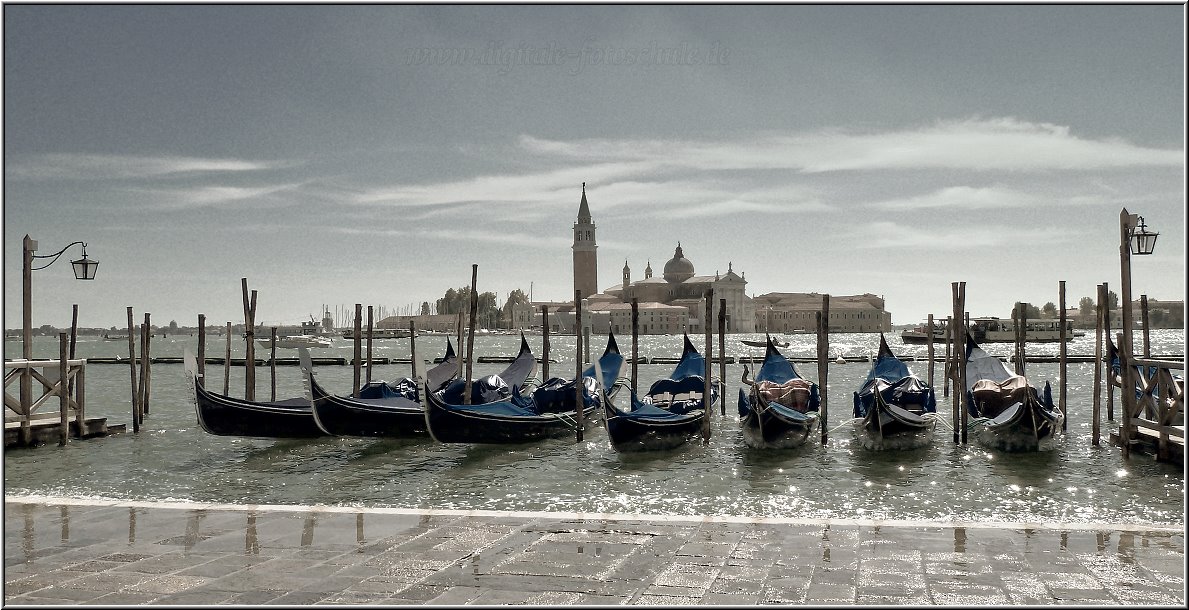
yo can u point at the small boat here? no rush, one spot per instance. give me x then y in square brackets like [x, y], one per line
[381, 409]
[296, 341]
[893, 408]
[920, 334]
[670, 413]
[776, 342]
[1010, 413]
[781, 409]
[226, 416]
[501, 412]
[1036, 330]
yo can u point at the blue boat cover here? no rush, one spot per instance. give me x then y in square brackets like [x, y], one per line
[895, 383]
[405, 388]
[645, 411]
[610, 363]
[691, 363]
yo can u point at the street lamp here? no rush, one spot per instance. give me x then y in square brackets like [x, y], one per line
[1134, 238]
[84, 269]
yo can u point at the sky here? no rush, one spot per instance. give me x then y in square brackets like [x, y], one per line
[371, 154]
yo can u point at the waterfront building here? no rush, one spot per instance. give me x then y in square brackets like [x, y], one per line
[791, 312]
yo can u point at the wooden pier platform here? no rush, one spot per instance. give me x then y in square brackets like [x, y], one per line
[46, 429]
[1148, 442]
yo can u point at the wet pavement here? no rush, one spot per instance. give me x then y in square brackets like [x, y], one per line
[62, 551]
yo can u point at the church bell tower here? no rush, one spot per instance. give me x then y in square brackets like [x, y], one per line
[586, 269]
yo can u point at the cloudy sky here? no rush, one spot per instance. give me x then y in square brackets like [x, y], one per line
[366, 154]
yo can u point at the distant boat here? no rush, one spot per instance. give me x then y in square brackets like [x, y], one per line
[1038, 330]
[379, 333]
[296, 341]
[920, 334]
[107, 337]
[776, 342]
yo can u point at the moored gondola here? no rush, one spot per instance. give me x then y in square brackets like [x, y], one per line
[671, 412]
[381, 409]
[503, 412]
[893, 408]
[780, 411]
[227, 416]
[1010, 413]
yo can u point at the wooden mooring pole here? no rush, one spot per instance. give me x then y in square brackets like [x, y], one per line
[1105, 303]
[722, 357]
[578, 404]
[368, 377]
[202, 349]
[73, 343]
[357, 338]
[707, 384]
[132, 370]
[227, 363]
[63, 396]
[145, 367]
[1062, 355]
[272, 365]
[960, 386]
[473, 307]
[1096, 432]
[823, 363]
[951, 364]
[544, 343]
[1143, 317]
[250, 341]
[635, 339]
[413, 350]
[929, 343]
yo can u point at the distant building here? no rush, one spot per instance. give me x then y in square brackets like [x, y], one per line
[787, 312]
[586, 261]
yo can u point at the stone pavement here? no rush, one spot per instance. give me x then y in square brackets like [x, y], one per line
[62, 551]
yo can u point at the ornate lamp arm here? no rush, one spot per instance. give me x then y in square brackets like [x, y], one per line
[59, 254]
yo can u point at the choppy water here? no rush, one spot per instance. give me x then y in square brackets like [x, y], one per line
[173, 459]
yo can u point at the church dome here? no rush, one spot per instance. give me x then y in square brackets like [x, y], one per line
[679, 268]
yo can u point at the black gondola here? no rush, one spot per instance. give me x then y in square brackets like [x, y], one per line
[382, 409]
[1011, 413]
[226, 416]
[894, 409]
[501, 413]
[781, 409]
[672, 411]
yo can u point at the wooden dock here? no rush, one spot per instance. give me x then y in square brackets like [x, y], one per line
[46, 429]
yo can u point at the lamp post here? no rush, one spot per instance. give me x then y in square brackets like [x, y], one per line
[84, 269]
[1134, 238]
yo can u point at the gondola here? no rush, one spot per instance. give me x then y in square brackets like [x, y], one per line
[501, 412]
[781, 409]
[1010, 413]
[382, 409]
[751, 343]
[893, 408]
[671, 412]
[226, 416]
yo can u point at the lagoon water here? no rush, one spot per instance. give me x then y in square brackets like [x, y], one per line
[172, 459]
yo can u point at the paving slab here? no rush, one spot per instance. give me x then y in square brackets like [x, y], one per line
[69, 551]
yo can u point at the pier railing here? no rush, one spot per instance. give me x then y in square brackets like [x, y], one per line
[62, 379]
[1156, 405]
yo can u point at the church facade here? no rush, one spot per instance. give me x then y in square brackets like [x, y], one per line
[673, 303]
